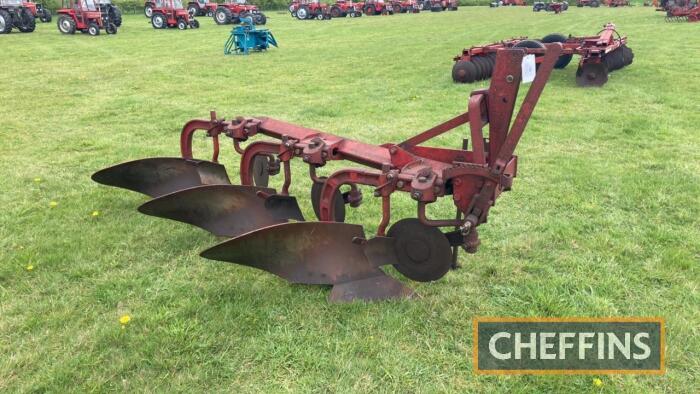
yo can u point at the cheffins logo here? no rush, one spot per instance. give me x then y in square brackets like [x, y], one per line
[569, 345]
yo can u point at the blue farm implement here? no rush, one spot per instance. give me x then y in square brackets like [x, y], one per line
[245, 38]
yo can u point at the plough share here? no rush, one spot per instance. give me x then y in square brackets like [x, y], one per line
[267, 229]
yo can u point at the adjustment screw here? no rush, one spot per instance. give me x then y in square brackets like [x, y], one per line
[399, 184]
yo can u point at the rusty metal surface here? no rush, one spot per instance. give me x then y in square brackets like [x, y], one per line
[303, 252]
[223, 210]
[162, 175]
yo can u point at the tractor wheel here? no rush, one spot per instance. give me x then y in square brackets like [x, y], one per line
[370, 10]
[148, 11]
[222, 16]
[424, 253]
[532, 44]
[111, 28]
[158, 21]
[45, 16]
[27, 23]
[563, 60]
[336, 12]
[194, 24]
[93, 29]
[66, 24]
[259, 19]
[115, 15]
[303, 13]
[5, 22]
[436, 9]
[320, 16]
[193, 10]
[595, 4]
[181, 24]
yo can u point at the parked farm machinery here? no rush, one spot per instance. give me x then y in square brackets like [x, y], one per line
[107, 8]
[232, 11]
[345, 8]
[38, 10]
[588, 3]
[84, 16]
[172, 13]
[689, 12]
[556, 7]
[246, 38]
[506, 3]
[405, 6]
[309, 9]
[267, 229]
[15, 15]
[600, 54]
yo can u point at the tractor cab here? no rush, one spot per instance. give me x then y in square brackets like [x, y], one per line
[201, 7]
[84, 15]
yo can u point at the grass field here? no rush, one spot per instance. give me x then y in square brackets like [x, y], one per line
[603, 219]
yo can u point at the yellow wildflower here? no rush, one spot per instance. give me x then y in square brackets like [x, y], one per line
[29, 267]
[95, 214]
[124, 320]
[53, 204]
[597, 382]
[37, 179]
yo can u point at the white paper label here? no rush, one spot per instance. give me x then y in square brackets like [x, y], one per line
[529, 68]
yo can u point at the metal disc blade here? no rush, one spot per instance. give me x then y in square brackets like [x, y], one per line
[162, 175]
[303, 252]
[224, 210]
[592, 74]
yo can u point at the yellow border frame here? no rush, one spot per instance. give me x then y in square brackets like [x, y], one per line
[475, 347]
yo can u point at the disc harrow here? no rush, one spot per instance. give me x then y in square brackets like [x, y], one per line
[267, 230]
[688, 13]
[600, 54]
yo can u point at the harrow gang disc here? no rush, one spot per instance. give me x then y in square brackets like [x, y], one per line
[158, 176]
[224, 210]
[592, 74]
[423, 252]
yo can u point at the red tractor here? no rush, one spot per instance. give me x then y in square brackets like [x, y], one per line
[231, 11]
[344, 8]
[378, 7]
[443, 5]
[504, 3]
[404, 6]
[618, 3]
[13, 14]
[171, 13]
[84, 15]
[38, 10]
[309, 9]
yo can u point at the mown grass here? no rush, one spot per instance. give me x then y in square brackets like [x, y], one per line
[603, 219]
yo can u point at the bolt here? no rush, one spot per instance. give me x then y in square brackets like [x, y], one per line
[509, 79]
[324, 154]
[422, 179]
[306, 157]
[393, 150]
[416, 195]
[390, 176]
[297, 151]
[377, 193]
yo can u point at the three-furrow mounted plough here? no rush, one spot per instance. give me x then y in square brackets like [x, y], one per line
[267, 228]
[600, 54]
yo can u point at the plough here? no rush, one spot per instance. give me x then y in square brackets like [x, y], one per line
[267, 229]
[600, 54]
[687, 13]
